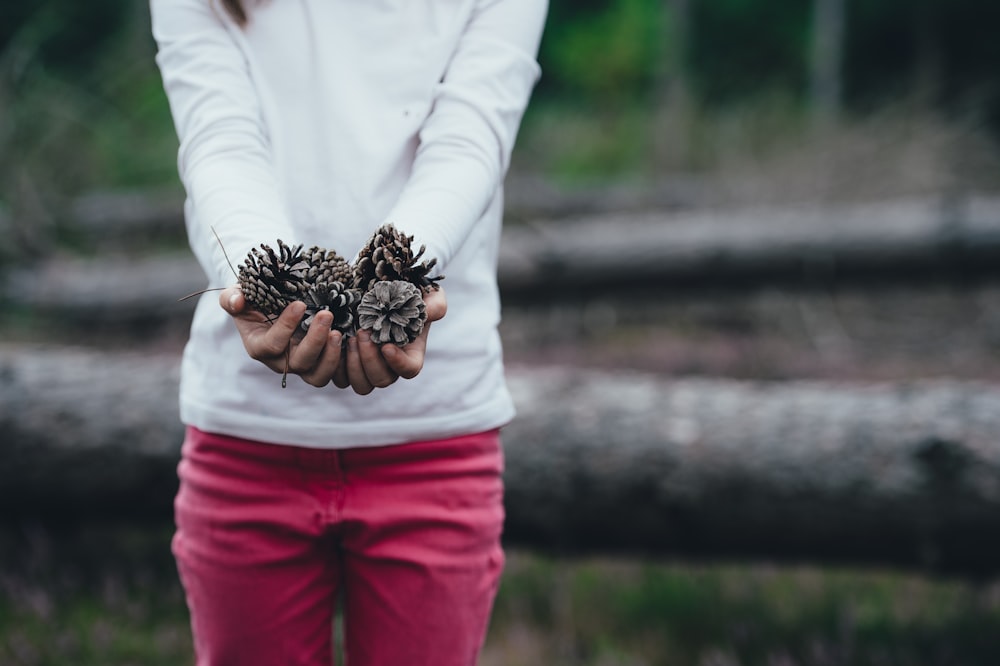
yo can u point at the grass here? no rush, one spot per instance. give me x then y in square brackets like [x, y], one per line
[92, 595]
[107, 595]
[602, 612]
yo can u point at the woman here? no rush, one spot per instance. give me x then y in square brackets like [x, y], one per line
[377, 477]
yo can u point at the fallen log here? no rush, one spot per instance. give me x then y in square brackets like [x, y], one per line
[587, 256]
[902, 475]
[803, 244]
[905, 475]
[111, 289]
[128, 218]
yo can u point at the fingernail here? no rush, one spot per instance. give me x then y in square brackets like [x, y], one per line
[364, 336]
[232, 302]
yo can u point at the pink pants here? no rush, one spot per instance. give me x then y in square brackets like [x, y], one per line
[268, 536]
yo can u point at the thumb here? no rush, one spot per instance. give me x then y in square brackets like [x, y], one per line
[232, 300]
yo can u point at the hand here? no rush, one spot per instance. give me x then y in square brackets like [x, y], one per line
[368, 366]
[278, 344]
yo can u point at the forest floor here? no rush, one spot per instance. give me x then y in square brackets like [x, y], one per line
[107, 595]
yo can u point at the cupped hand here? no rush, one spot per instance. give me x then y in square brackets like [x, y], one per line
[368, 366]
[278, 343]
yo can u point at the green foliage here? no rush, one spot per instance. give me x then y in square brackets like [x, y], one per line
[604, 52]
[96, 116]
[77, 113]
[608, 55]
[64, 36]
[742, 48]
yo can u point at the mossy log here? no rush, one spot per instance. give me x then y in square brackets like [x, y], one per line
[597, 462]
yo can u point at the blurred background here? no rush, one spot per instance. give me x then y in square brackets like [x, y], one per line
[718, 194]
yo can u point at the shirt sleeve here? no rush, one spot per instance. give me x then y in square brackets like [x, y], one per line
[224, 160]
[466, 142]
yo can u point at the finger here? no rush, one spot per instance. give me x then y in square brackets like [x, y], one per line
[266, 339]
[232, 301]
[376, 369]
[340, 379]
[355, 371]
[328, 363]
[278, 336]
[306, 353]
[436, 304]
[407, 361]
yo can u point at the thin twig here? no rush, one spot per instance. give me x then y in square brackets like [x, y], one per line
[224, 253]
[284, 375]
[199, 293]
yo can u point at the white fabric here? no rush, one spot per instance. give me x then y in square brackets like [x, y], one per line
[316, 123]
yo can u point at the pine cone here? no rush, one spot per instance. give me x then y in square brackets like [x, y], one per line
[387, 256]
[336, 298]
[270, 280]
[393, 310]
[327, 266]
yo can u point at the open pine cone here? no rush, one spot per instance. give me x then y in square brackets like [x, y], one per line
[330, 277]
[388, 255]
[320, 278]
[336, 298]
[327, 266]
[271, 280]
[393, 310]
[388, 274]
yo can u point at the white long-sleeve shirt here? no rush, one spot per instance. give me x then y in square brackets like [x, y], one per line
[316, 123]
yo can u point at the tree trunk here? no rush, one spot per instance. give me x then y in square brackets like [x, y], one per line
[827, 57]
[905, 475]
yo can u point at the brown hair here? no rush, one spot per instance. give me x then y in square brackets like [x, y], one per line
[235, 9]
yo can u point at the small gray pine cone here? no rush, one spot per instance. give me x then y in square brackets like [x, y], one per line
[336, 298]
[388, 255]
[271, 280]
[393, 310]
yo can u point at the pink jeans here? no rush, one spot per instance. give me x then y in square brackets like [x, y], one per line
[269, 535]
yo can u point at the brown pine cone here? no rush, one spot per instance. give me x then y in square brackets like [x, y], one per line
[388, 255]
[271, 280]
[327, 266]
[336, 298]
